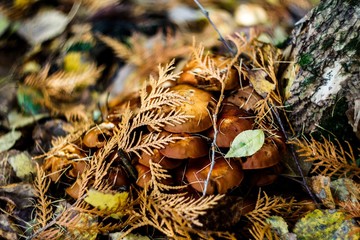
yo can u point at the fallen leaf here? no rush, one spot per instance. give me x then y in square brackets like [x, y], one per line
[45, 25]
[246, 143]
[22, 164]
[18, 120]
[107, 201]
[20, 194]
[8, 140]
[131, 236]
[259, 82]
[4, 24]
[280, 227]
[30, 99]
[7, 230]
[321, 186]
[326, 224]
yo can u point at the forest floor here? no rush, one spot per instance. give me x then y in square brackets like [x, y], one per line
[149, 120]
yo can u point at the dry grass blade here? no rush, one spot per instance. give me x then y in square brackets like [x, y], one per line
[147, 53]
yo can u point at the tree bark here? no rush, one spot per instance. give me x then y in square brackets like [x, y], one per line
[325, 94]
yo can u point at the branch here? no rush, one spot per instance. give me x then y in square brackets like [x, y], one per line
[206, 13]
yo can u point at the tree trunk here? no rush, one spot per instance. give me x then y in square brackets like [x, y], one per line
[325, 94]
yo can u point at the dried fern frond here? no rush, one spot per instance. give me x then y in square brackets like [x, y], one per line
[44, 211]
[150, 114]
[75, 131]
[260, 232]
[61, 87]
[268, 206]
[207, 65]
[158, 174]
[265, 63]
[63, 83]
[172, 214]
[147, 53]
[49, 234]
[328, 158]
[150, 142]
[351, 208]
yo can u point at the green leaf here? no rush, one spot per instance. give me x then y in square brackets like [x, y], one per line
[19, 120]
[8, 140]
[30, 99]
[246, 143]
[23, 165]
[4, 24]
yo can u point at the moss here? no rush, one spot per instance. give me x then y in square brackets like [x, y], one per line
[327, 43]
[353, 2]
[308, 81]
[353, 45]
[335, 123]
[305, 59]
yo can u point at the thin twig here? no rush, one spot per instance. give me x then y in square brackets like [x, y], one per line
[213, 143]
[294, 156]
[206, 13]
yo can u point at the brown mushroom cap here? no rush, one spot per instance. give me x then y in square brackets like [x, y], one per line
[193, 74]
[118, 177]
[231, 122]
[189, 146]
[225, 175]
[74, 190]
[267, 156]
[144, 175]
[245, 98]
[266, 176]
[96, 136]
[78, 167]
[198, 105]
[157, 157]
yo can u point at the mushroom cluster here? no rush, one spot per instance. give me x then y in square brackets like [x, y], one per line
[188, 158]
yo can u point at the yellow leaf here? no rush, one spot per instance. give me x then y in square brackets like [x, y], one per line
[259, 82]
[23, 3]
[75, 62]
[114, 202]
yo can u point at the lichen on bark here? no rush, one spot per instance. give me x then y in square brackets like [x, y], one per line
[326, 45]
